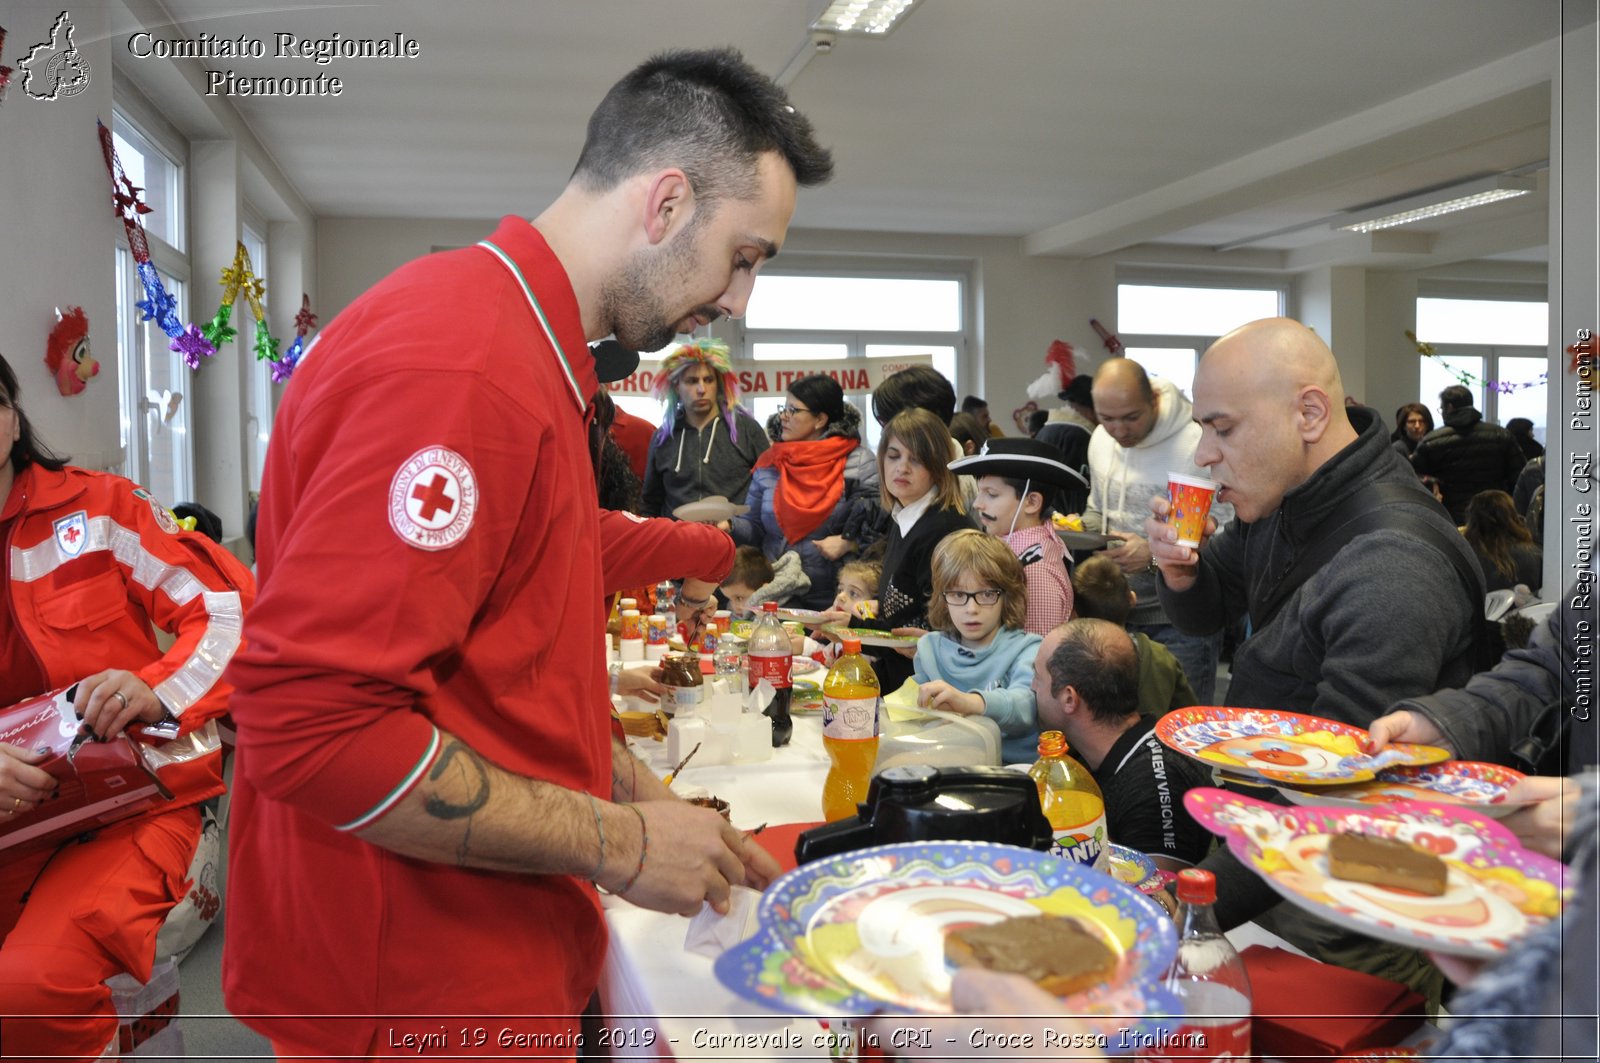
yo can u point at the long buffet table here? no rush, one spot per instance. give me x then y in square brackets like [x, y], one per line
[664, 1002]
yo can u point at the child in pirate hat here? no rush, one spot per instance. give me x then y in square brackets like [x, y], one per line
[1017, 481]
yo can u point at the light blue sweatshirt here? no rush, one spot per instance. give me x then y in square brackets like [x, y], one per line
[1002, 672]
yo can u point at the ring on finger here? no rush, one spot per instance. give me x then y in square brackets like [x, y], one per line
[16, 805]
[120, 694]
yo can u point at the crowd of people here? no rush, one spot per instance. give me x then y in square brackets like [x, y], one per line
[427, 778]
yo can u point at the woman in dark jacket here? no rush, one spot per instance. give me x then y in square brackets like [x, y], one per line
[1411, 422]
[811, 490]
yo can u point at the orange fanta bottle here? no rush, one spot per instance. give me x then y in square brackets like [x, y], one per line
[1072, 802]
[850, 710]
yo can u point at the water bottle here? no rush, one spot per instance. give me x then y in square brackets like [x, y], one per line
[1209, 976]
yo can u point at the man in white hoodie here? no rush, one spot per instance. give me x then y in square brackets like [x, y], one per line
[1146, 430]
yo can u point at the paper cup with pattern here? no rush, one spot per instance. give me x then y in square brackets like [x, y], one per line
[1191, 503]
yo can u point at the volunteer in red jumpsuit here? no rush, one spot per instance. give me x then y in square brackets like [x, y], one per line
[91, 562]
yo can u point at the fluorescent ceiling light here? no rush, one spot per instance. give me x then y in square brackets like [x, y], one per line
[863, 18]
[1432, 204]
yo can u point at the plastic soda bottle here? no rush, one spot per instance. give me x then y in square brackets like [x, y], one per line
[1209, 976]
[1072, 802]
[850, 707]
[769, 657]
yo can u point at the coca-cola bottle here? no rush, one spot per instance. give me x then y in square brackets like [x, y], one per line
[1209, 976]
[769, 657]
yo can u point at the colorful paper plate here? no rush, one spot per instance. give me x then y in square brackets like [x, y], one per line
[1495, 893]
[864, 932]
[869, 637]
[1286, 747]
[804, 666]
[1478, 786]
[806, 699]
[1132, 868]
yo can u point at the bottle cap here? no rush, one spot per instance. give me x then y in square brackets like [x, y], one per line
[1197, 887]
[852, 645]
[769, 607]
[1052, 743]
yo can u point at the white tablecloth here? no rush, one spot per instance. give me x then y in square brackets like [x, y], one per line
[663, 994]
[650, 982]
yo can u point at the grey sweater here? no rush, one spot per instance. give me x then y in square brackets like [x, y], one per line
[1380, 621]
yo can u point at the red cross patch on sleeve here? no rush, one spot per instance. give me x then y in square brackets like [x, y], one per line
[433, 499]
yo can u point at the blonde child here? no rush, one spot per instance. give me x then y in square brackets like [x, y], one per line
[979, 661]
[858, 583]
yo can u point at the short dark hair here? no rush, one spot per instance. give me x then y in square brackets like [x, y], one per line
[821, 394]
[1037, 420]
[27, 450]
[750, 568]
[1100, 591]
[920, 386]
[964, 428]
[1097, 659]
[711, 114]
[1456, 396]
[1520, 426]
[972, 404]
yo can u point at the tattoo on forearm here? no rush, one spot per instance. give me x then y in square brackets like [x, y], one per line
[474, 783]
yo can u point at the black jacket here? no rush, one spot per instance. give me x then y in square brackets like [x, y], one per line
[1468, 455]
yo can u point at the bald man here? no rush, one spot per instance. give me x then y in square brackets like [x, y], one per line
[1388, 613]
[1146, 431]
[1385, 616]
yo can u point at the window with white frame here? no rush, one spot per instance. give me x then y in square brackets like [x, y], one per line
[1477, 341]
[258, 392]
[153, 381]
[1165, 327]
[834, 317]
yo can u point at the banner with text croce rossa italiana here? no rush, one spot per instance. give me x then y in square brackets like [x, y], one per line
[772, 379]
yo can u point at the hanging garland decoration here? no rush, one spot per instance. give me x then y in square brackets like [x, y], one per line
[237, 278]
[1503, 387]
[158, 305]
[304, 322]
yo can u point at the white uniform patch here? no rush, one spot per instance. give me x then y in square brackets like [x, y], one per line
[433, 499]
[72, 532]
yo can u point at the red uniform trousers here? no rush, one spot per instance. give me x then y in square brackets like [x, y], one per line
[93, 911]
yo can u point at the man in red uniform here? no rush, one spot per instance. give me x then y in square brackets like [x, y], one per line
[427, 787]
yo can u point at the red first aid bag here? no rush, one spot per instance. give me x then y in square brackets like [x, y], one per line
[96, 782]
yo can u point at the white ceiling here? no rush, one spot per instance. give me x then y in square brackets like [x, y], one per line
[1079, 126]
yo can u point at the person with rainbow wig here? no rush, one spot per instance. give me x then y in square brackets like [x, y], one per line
[707, 443]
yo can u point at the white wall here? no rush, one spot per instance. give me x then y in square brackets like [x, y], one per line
[56, 235]
[58, 231]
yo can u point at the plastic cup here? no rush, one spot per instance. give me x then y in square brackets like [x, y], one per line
[1191, 503]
